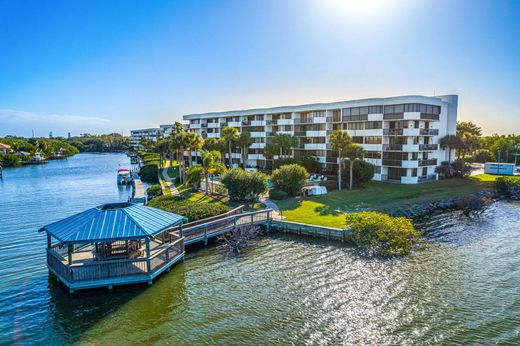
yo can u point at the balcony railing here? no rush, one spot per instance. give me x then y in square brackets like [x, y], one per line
[393, 116]
[430, 162]
[427, 177]
[333, 119]
[392, 132]
[429, 132]
[392, 147]
[423, 147]
[426, 116]
[393, 163]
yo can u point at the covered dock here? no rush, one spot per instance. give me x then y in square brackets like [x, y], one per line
[114, 244]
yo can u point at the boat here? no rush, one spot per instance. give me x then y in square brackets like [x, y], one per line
[124, 177]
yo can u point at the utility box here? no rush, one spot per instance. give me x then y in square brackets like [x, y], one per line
[499, 168]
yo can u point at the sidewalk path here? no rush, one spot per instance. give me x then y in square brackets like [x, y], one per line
[171, 185]
[271, 205]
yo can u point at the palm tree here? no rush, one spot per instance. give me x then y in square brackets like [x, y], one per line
[194, 143]
[245, 141]
[163, 147]
[230, 135]
[211, 164]
[450, 142]
[340, 141]
[284, 143]
[353, 153]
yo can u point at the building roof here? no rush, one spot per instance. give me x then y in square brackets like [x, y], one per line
[111, 222]
[434, 100]
[4, 146]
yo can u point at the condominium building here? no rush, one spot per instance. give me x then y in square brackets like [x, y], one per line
[399, 134]
[152, 134]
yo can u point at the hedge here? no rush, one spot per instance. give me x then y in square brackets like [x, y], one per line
[510, 186]
[154, 190]
[149, 174]
[191, 209]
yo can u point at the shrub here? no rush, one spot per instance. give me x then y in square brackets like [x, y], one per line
[363, 172]
[154, 190]
[482, 156]
[149, 174]
[510, 186]
[457, 168]
[382, 234]
[9, 160]
[244, 185]
[193, 210]
[277, 194]
[289, 178]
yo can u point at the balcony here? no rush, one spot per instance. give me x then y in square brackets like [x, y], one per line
[429, 132]
[315, 146]
[411, 131]
[319, 120]
[425, 147]
[392, 147]
[257, 134]
[213, 125]
[255, 157]
[258, 123]
[285, 122]
[336, 119]
[392, 132]
[316, 133]
[213, 135]
[410, 148]
[430, 162]
[257, 146]
[194, 126]
[429, 177]
[392, 163]
[234, 123]
[426, 116]
[393, 116]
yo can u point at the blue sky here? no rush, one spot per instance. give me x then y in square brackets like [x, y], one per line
[105, 66]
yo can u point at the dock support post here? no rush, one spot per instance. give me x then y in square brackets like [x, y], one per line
[268, 221]
[70, 248]
[49, 243]
[181, 231]
[148, 267]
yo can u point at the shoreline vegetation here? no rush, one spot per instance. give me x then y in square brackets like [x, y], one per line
[40, 150]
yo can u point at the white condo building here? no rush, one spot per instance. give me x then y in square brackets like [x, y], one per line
[152, 134]
[399, 134]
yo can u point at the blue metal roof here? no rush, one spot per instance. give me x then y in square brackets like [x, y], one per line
[113, 222]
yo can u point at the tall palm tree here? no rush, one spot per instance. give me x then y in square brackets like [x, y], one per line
[353, 152]
[211, 164]
[450, 142]
[163, 147]
[245, 141]
[194, 143]
[284, 143]
[340, 141]
[230, 135]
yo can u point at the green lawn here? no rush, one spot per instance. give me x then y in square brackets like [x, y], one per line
[328, 210]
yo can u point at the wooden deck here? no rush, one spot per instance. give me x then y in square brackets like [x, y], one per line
[86, 272]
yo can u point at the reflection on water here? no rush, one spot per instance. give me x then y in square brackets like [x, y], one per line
[459, 287]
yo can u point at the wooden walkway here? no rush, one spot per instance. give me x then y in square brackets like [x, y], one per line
[205, 231]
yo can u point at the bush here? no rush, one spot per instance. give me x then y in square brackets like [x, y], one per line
[457, 168]
[244, 185]
[9, 160]
[482, 156]
[289, 178]
[382, 234]
[149, 174]
[277, 194]
[363, 172]
[193, 210]
[154, 190]
[510, 186]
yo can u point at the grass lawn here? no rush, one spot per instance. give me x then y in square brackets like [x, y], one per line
[196, 196]
[328, 210]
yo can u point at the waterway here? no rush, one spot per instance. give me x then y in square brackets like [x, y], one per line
[461, 286]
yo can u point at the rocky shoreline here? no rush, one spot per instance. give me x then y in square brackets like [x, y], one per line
[422, 211]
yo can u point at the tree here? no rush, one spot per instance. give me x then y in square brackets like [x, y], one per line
[163, 147]
[290, 179]
[229, 135]
[340, 141]
[243, 185]
[283, 143]
[245, 141]
[449, 142]
[211, 164]
[353, 152]
[195, 142]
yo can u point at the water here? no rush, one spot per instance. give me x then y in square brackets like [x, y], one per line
[460, 287]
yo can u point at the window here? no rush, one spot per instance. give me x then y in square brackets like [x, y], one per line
[356, 126]
[377, 169]
[363, 110]
[373, 140]
[357, 139]
[372, 154]
[375, 109]
[371, 125]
